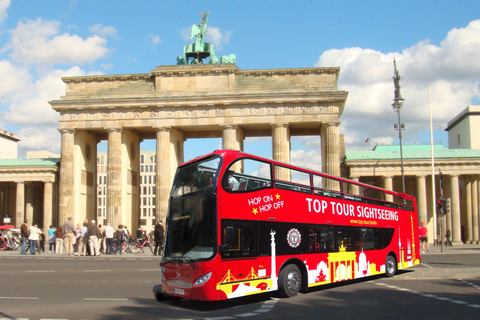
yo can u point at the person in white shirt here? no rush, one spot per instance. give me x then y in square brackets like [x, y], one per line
[109, 238]
[33, 237]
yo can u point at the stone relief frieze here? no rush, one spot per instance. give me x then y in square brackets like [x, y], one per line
[195, 112]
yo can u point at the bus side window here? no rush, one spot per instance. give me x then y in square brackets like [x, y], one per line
[238, 241]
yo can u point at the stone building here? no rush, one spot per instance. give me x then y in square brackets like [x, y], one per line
[460, 167]
[175, 103]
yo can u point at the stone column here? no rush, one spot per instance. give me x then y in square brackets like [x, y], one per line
[281, 148]
[422, 199]
[388, 184]
[114, 176]
[475, 209]
[331, 148]
[455, 210]
[66, 183]
[20, 205]
[29, 192]
[163, 182]
[47, 204]
[233, 137]
[468, 199]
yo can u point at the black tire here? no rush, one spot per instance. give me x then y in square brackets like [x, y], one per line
[390, 266]
[289, 281]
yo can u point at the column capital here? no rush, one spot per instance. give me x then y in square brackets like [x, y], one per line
[113, 129]
[331, 124]
[420, 176]
[279, 125]
[66, 130]
[162, 128]
[229, 126]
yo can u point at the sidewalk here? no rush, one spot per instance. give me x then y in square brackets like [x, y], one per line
[456, 249]
[14, 253]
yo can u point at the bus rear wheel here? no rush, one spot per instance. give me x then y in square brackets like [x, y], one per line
[390, 266]
[289, 281]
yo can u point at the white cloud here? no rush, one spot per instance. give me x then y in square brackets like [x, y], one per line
[4, 4]
[39, 138]
[307, 159]
[213, 36]
[103, 31]
[34, 109]
[452, 69]
[155, 39]
[39, 42]
[217, 38]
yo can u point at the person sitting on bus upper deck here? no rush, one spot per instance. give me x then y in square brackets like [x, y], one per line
[232, 183]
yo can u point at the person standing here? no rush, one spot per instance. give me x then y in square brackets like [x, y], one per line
[59, 239]
[24, 233]
[109, 238]
[33, 233]
[120, 236]
[69, 233]
[447, 238]
[93, 235]
[83, 240]
[41, 241]
[159, 237]
[51, 239]
[423, 233]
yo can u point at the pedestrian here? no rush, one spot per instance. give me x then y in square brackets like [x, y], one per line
[33, 236]
[41, 242]
[109, 238]
[102, 238]
[59, 239]
[120, 236]
[159, 237]
[447, 238]
[69, 233]
[423, 233]
[139, 233]
[51, 239]
[93, 235]
[83, 240]
[24, 233]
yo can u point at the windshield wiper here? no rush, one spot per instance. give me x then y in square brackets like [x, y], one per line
[189, 261]
[178, 259]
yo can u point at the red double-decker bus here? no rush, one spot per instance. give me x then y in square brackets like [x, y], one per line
[239, 225]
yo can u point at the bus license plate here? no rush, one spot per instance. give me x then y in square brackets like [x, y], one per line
[179, 291]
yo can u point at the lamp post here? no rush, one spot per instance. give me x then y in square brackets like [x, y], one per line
[397, 105]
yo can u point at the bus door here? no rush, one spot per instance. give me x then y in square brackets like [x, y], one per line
[239, 258]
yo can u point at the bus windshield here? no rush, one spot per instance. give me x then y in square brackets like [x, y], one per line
[195, 177]
[191, 233]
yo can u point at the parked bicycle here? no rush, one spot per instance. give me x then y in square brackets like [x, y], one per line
[137, 246]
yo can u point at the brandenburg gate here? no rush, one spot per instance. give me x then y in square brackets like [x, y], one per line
[178, 102]
[175, 103]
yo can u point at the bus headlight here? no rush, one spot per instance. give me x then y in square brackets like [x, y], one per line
[203, 279]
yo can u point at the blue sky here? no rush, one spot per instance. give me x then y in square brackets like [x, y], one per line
[434, 42]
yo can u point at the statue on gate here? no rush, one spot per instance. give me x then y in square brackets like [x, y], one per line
[194, 53]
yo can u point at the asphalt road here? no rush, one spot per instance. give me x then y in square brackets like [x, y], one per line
[445, 286]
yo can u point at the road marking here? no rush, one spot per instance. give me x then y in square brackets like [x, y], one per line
[150, 269]
[40, 270]
[97, 270]
[470, 284]
[103, 299]
[428, 295]
[426, 265]
[20, 298]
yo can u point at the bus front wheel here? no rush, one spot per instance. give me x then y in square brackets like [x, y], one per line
[390, 266]
[289, 281]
